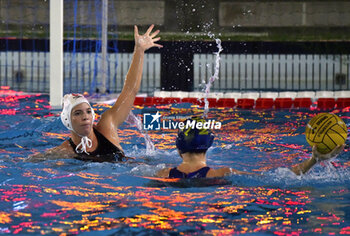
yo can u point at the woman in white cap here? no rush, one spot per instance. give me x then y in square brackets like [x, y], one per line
[100, 142]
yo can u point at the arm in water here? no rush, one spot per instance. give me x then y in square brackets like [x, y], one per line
[305, 166]
[60, 152]
[298, 169]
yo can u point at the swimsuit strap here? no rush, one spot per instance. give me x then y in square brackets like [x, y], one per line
[175, 173]
[201, 173]
[105, 150]
[72, 143]
[105, 147]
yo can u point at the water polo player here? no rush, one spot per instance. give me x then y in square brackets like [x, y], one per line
[100, 142]
[192, 145]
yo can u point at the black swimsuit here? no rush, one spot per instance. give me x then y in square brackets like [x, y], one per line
[201, 173]
[105, 151]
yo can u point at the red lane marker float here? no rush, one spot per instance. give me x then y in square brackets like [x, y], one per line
[247, 103]
[342, 103]
[326, 103]
[190, 100]
[226, 102]
[264, 103]
[139, 101]
[283, 103]
[171, 100]
[302, 102]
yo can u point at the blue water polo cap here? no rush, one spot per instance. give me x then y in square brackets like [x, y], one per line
[192, 139]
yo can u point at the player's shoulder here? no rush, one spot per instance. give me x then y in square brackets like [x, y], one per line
[221, 172]
[63, 146]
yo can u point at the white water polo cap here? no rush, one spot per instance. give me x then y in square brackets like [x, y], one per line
[69, 102]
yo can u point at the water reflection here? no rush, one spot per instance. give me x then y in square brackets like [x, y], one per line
[223, 210]
[71, 197]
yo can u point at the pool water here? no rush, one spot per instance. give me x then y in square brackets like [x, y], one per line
[73, 197]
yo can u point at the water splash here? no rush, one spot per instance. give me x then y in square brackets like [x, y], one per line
[215, 76]
[134, 120]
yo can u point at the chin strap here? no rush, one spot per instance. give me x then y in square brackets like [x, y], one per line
[85, 143]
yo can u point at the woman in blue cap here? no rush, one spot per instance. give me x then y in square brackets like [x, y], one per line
[100, 142]
[192, 145]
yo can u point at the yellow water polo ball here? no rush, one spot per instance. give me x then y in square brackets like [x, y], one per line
[326, 130]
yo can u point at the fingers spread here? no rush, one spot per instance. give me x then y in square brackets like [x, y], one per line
[158, 45]
[148, 39]
[156, 39]
[339, 148]
[155, 33]
[343, 146]
[315, 151]
[336, 151]
[149, 29]
[136, 31]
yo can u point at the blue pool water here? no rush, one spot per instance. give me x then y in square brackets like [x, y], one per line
[73, 197]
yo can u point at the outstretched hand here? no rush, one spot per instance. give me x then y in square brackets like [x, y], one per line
[322, 157]
[305, 166]
[147, 40]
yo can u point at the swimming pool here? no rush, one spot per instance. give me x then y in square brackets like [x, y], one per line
[71, 197]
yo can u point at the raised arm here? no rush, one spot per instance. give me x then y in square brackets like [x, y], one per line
[305, 166]
[118, 113]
